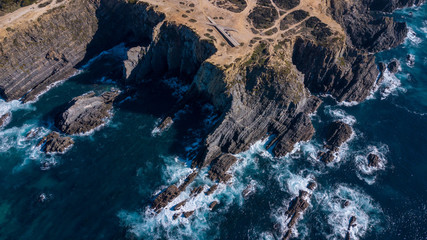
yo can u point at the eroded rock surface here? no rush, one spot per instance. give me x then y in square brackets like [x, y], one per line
[55, 143]
[373, 160]
[86, 112]
[337, 134]
[296, 208]
[218, 171]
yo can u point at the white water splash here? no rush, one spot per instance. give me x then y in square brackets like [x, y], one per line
[412, 37]
[389, 85]
[366, 173]
[361, 206]
[340, 115]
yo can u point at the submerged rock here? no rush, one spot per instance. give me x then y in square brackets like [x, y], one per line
[86, 112]
[373, 160]
[53, 143]
[352, 223]
[410, 60]
[4, 119]
[32, 133]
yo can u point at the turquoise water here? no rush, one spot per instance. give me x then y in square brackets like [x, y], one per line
[102, 187]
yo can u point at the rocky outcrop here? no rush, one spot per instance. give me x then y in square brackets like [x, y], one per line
[296, 208]
[133, 56]
[55, 143]
[393, 66]
[4, 119]
[86, 112]
[177, 51]
[273, 102]
[170, 193]
[373, 160]
[346, 74]
[351, 223]
[213, 204]
[367, 31]
[165, 197]
[220, 166]
[188, 214]
[211, 189]
[337, 134]
[42, 52]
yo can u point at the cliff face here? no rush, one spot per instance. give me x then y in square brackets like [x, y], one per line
[45, 51]
[263, 88]
[42, 52]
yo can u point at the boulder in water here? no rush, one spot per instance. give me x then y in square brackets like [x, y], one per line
[54, 142]
[4, 119]
[188, 214]
[86, 112]
[393, 66]
[373, 160]
[213, 204]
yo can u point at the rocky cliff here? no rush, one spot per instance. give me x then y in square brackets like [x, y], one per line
[41, 52]
[267, 87]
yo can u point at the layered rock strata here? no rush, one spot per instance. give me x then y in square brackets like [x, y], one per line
[262, 89]
[337, 134]
[296, 208]
[55, 143]
[86, 112]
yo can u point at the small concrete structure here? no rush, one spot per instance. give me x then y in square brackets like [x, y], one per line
[224, 32]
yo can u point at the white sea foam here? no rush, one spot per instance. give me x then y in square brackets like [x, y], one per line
[366, 173]
[340, 115]
[390, 85]
[367, 212]
[13, 105]
[412, 37]
[410, 60]
[147, 224]
[348, 104]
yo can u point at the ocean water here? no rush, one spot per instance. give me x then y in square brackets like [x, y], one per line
[102, 187]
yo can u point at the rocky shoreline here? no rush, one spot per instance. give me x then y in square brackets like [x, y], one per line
[272, 91]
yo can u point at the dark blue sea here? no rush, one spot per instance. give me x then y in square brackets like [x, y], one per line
[103, 186]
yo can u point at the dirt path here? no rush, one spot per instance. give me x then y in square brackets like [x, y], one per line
[25, 14]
